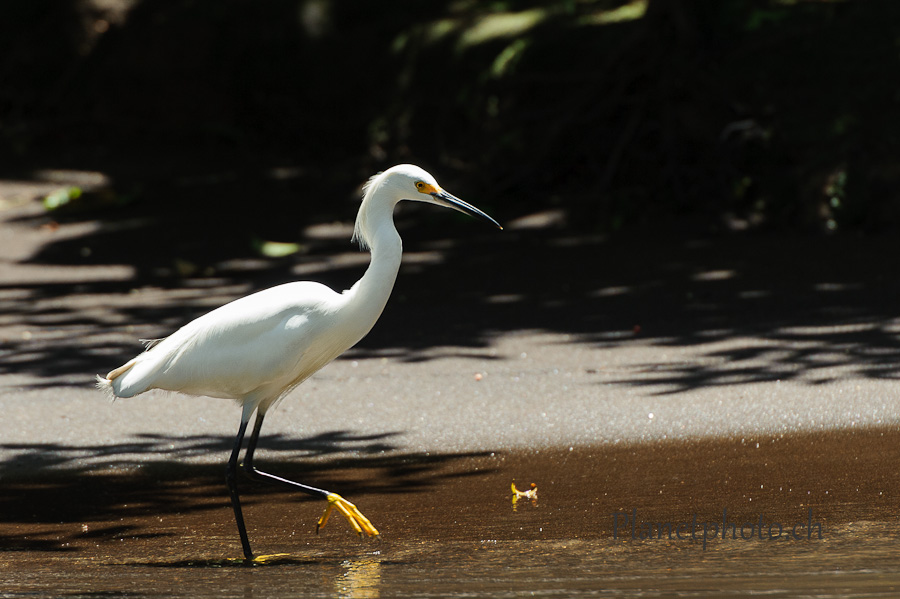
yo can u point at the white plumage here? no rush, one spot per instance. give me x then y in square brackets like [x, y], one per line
[256, 349]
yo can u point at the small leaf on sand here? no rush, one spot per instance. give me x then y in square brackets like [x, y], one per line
[277, 249]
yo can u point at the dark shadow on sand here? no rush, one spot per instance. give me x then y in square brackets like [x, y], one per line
[811, 306]
[56, 484]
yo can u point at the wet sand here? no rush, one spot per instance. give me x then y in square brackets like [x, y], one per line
[449, 526]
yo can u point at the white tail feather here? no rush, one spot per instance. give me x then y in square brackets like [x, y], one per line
[151, 343]
[105, 385]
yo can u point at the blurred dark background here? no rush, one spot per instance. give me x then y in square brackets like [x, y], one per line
[258, 118]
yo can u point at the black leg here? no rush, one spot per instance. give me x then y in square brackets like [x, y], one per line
[257, 475]
[231, 481]
[353, 515]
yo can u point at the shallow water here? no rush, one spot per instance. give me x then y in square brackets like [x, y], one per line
[450, 529]
[565, 568]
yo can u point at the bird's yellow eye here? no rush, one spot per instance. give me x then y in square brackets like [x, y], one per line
[428, 188]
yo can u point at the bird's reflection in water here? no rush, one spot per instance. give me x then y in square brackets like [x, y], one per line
[359, 580]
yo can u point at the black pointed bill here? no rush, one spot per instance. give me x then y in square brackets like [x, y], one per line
[451, 201]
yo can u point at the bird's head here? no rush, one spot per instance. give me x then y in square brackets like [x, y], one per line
[410, 182]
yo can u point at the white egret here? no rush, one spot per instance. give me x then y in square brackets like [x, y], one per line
[256, 349]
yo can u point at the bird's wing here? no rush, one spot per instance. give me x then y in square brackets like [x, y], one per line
[253, 344]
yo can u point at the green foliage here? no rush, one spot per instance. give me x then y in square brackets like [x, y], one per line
[61, 197]
[628, 111]
[276, 249]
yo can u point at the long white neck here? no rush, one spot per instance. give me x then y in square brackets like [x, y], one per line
[367, 298]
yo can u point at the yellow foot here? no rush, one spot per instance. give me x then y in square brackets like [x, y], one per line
[359, 522]
[259, 560]
[272, 557]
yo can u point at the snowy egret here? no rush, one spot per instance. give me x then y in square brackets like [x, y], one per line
[256, 349]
